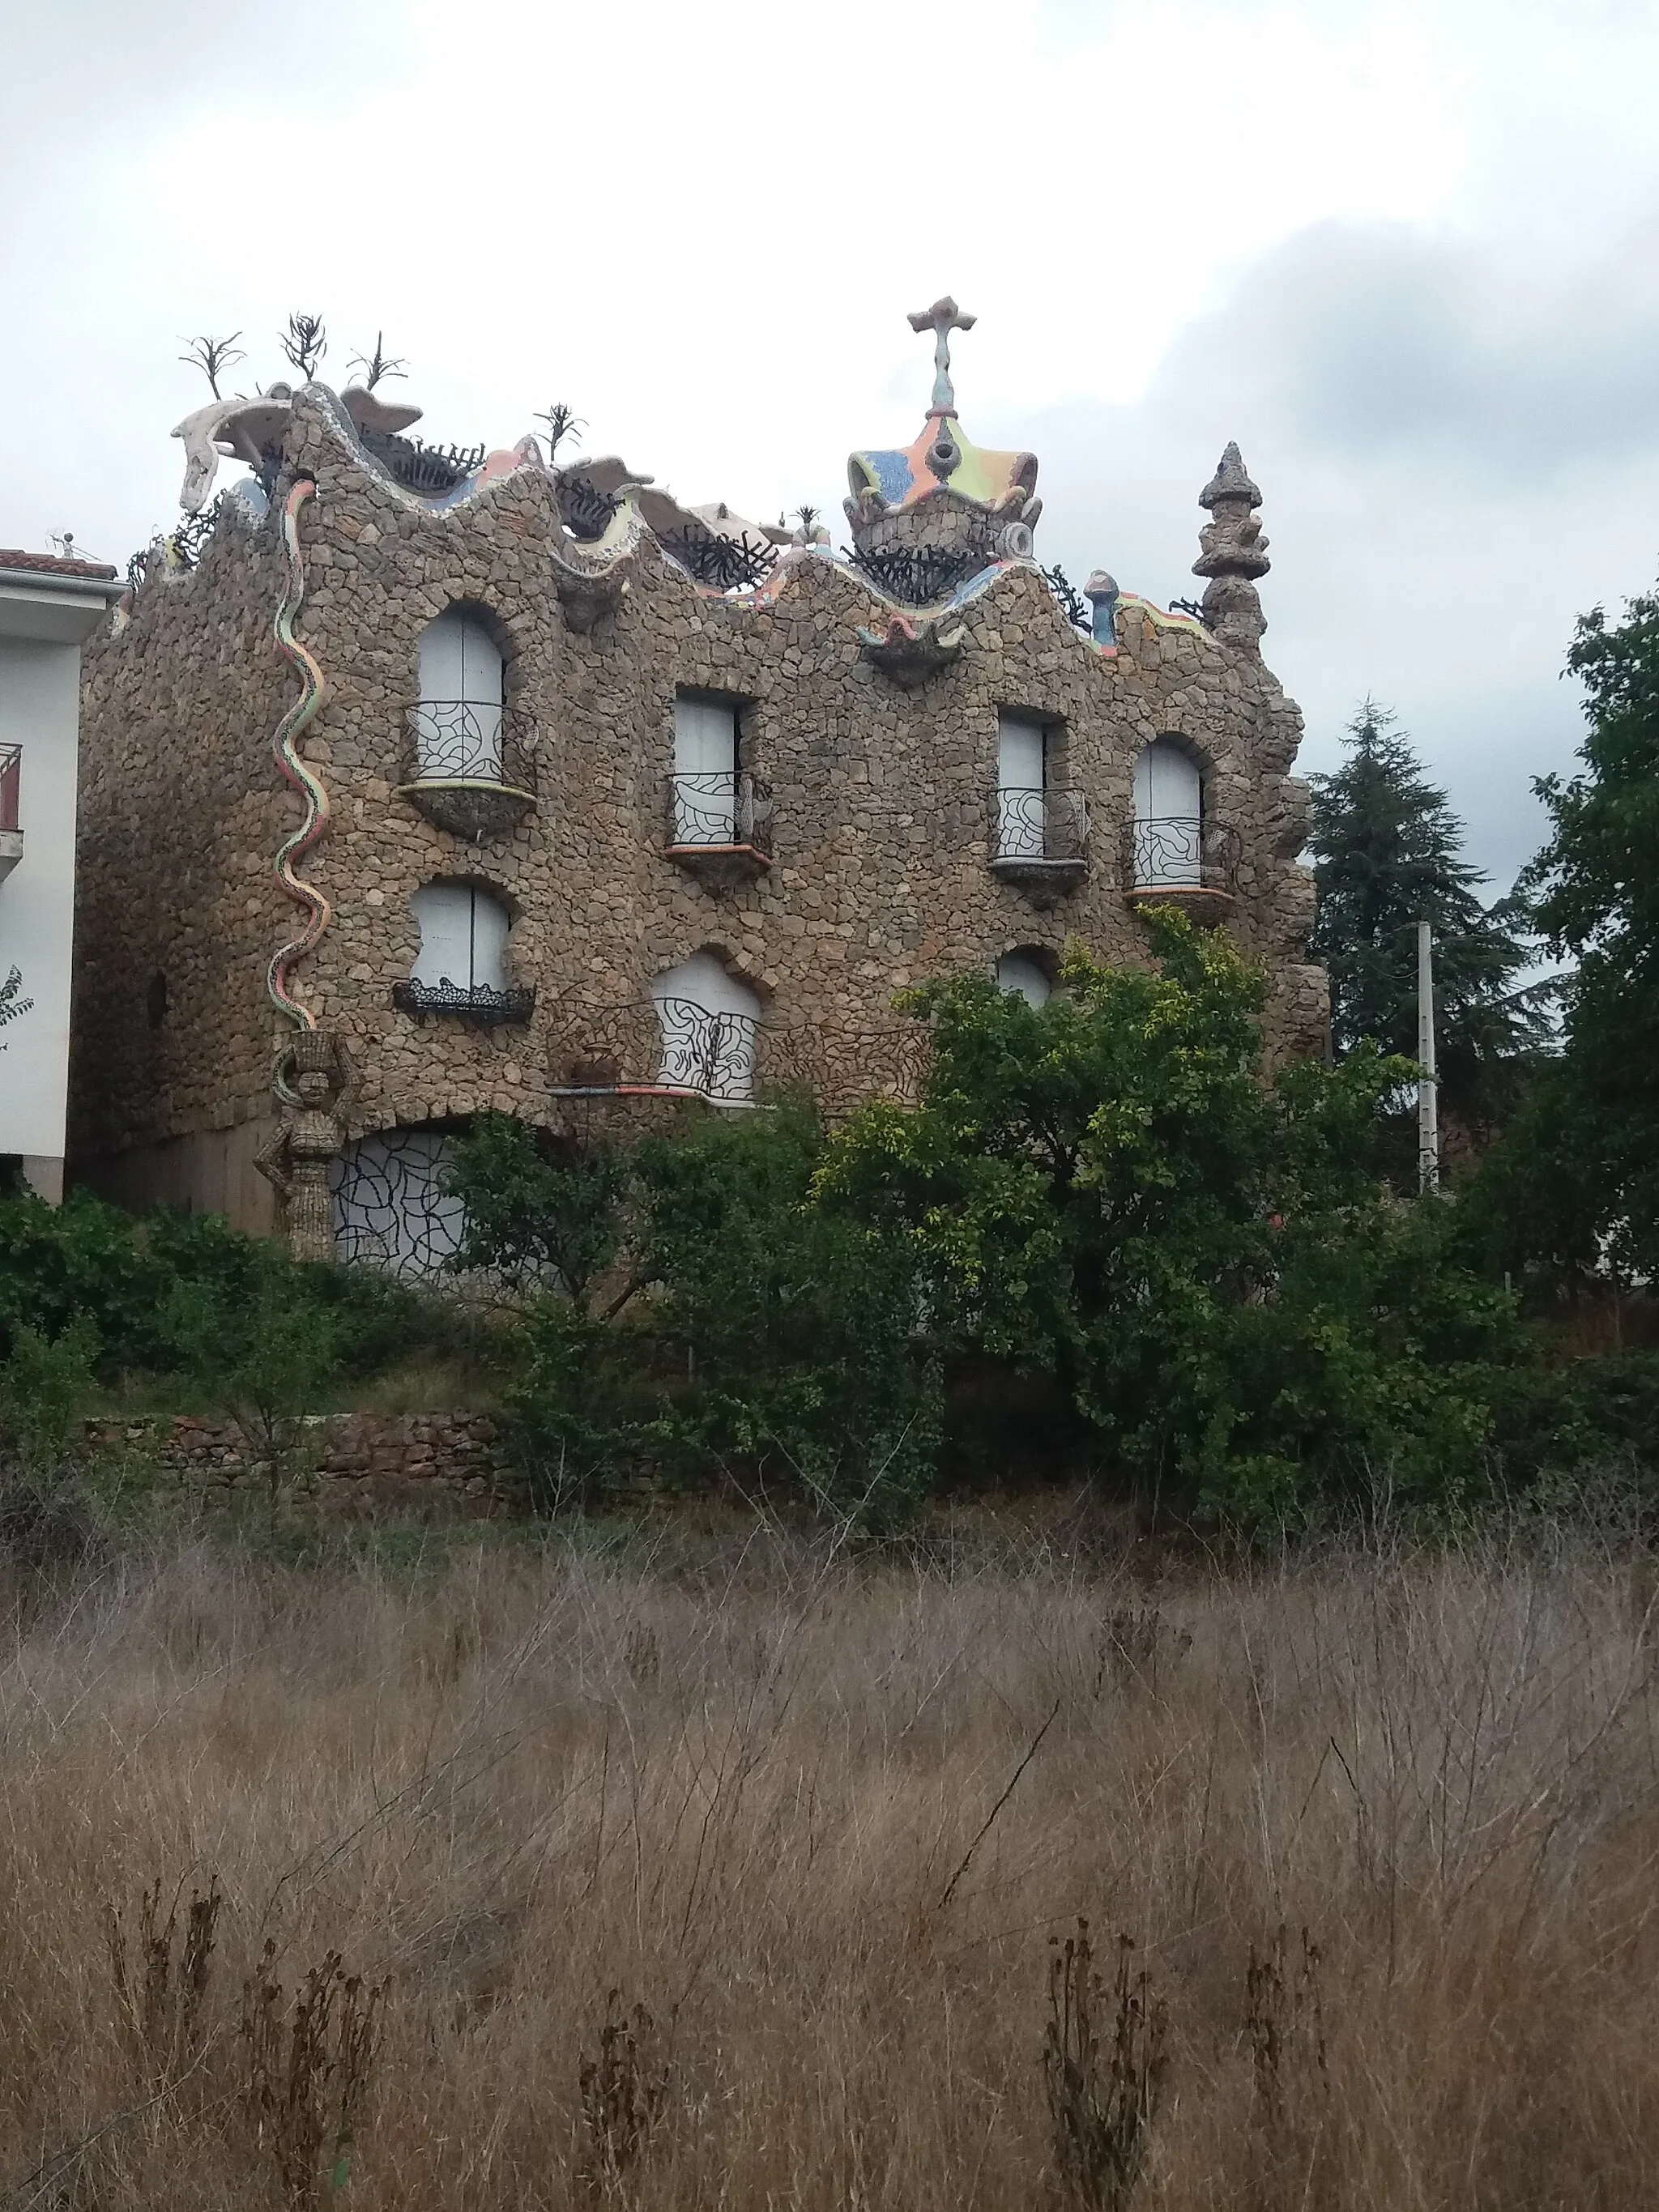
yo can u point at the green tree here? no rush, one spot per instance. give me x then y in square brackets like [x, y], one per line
[800, 1319]
[261, 1343]
[1103, 1187]
[1579, 1183]
[538, 1209]
[1387, 851]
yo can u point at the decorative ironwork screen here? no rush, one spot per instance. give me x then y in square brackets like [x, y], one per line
[730, 564]
[1073, 604]
[1049, 825]
[716, 806]
[390, 1205]
[588, 512]
[11, 775]
[479, 1004]
[430, 469]
[711, 1053]
[458, 739]
[1182, 852]
[917, 575]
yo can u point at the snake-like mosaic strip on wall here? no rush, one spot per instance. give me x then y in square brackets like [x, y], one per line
[304, 779]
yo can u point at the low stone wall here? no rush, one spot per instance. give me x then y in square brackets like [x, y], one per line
[357, 1465]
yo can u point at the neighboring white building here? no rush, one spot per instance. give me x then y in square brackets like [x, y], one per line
[48, 608]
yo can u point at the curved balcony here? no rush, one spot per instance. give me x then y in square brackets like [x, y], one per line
[1183, 860]
[661, 1047]
[1041, 841]
[480, 1006]
[719, 826]
[674, 1048]
[470, 761]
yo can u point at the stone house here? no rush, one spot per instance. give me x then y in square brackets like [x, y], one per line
[435, 781]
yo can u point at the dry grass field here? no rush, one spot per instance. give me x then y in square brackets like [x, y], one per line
[537, 1878]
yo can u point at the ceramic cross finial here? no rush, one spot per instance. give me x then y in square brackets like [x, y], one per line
[942, 318]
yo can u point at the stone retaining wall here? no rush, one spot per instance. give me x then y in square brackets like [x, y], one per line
[353, 1464]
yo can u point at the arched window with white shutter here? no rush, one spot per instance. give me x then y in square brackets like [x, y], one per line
[462, 965]
[710, 1021]
[1026, 972]
[457, 720]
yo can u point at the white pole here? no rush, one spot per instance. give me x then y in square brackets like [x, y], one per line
[1428, 1097]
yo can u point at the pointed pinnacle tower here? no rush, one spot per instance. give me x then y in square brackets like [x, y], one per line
[1232, 553]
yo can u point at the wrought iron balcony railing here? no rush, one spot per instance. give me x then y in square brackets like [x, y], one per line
[1050, 824]
[459, 740]
[479, 1004]
[1173, 853]
[717, 807]
[671, 1045]
[470, 770]
[11, 764]
[675, 1047]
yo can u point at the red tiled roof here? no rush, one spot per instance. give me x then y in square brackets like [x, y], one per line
[49, 565]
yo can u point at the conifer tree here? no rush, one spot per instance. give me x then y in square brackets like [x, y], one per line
[1387, 854]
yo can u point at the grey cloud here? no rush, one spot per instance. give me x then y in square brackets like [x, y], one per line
[1369, 341]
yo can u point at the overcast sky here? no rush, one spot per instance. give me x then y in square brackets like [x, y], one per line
[1407, 255]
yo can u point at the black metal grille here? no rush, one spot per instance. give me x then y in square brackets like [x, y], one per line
[721, 806]
[458, 738]
[11, 770]
[390, 1205]
[1192, 607]
[477, 1004]
[729, 564]
[588, 512]
[1182, 852]
[1073, 604]
[918, 574]
[713, 1054]
[420, 468]
[1047, 824]
[190, 538]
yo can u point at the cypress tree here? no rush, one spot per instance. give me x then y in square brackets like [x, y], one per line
[1387, 854]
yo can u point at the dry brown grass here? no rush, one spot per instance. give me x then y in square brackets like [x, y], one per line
[546, 1881]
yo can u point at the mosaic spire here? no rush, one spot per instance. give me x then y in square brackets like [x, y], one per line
[1232, 553]
[942, 318]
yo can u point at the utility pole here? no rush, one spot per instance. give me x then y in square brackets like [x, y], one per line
[1428, 1093]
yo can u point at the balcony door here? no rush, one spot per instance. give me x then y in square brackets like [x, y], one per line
[1022, 780]
[705, 771]
[463, 938]
[709, 1020]
[1168, 841]
[458, 724]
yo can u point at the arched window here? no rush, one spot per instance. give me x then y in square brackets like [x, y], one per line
[1169, 831]
[709, 1020]
[462, 965]
[1025, 972]
[458, 723]
[463, 938]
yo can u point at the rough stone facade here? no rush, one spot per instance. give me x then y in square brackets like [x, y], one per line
[878, 816]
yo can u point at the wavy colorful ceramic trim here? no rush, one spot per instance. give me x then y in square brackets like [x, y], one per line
[301, 776]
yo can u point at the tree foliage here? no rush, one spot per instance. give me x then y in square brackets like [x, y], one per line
[1102, 1187]
[1577, 1185]
[1387, 850]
